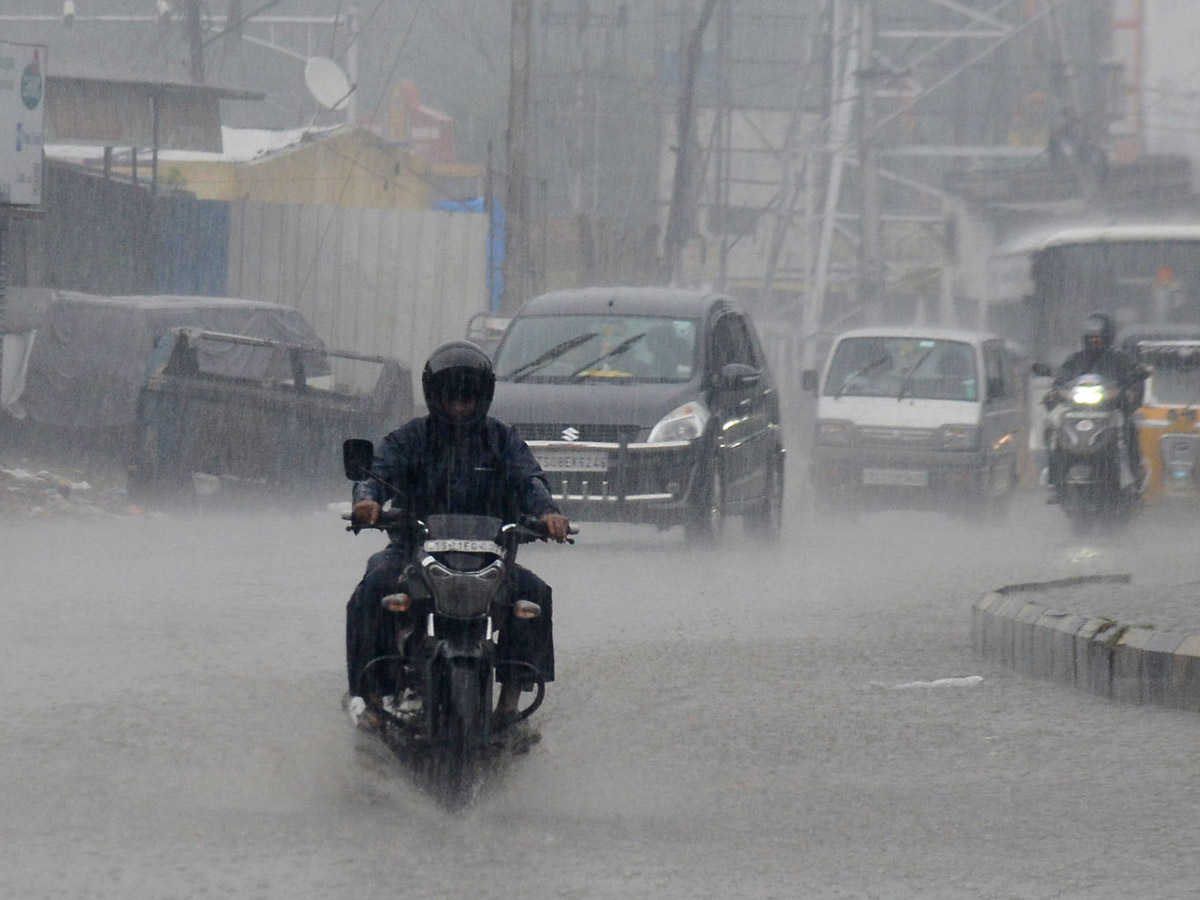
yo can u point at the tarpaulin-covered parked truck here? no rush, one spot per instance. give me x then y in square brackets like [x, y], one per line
[192, 393]
[276, 425]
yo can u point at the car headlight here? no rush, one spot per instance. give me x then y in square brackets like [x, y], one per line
[684, 423]
[960, 437]
[1088, 394]
[833, 431]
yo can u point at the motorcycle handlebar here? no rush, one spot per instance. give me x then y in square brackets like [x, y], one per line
[529, 528]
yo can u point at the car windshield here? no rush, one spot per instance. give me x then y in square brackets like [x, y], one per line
[903, 367]
[600, 349]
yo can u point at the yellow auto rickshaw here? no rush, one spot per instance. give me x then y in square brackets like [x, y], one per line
[1169, 417]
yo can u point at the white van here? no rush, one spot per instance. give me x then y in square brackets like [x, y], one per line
[916, 417]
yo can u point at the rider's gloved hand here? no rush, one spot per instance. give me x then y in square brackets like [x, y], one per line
[557, 527]
[365, 512]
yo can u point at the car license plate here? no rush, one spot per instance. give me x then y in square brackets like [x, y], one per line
[573, 460]
[896, 477]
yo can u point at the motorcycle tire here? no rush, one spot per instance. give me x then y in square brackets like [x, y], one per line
[457, 741]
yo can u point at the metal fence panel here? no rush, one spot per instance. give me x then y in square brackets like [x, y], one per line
[391, 282]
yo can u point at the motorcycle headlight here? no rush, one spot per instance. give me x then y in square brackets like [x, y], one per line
[1088, 394]
[684, 423]
[833, 431]
[960, 437]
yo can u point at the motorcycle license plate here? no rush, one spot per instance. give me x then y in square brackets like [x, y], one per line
[896, 477]
[572, 460]
[451, 545]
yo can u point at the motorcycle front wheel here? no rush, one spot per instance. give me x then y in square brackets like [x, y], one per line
[456, 745]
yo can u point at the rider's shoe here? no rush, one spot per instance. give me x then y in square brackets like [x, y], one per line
[361, 716]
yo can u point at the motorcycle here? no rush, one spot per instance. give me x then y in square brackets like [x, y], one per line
[455, 589]
[1087, 428]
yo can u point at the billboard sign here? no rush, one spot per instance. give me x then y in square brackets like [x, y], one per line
[22, 109]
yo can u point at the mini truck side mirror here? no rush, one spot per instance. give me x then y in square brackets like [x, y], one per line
[357, 456]
[808, 380]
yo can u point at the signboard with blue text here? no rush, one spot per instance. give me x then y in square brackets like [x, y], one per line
[22, 109]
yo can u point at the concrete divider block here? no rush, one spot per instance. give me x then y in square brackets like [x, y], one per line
[1157, 660]
[1127, 664]
[1009, 613]
[982, 622]
[1002, 611]
[1045, 644]
[1183, 683]
[1093, 657]
[985, 626]
[1062, 636]
[1024, 626]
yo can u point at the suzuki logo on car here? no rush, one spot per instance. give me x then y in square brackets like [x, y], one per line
[570, 433]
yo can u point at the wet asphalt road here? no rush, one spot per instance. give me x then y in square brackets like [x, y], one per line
[725, 725]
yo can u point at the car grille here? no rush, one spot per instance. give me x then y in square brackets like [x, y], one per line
[608, 434]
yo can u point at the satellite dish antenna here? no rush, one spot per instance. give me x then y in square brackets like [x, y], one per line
[327, 82]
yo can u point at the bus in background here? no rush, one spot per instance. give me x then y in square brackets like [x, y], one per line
[1043, 283]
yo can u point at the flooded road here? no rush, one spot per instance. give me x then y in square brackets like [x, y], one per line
[729, 724]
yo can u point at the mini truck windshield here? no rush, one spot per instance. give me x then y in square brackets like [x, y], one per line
[903, 368]
[598, 349]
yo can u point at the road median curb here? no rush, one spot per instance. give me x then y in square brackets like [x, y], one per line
[1122, 661]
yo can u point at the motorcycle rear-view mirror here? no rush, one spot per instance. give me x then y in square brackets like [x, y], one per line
[1041, 369]
[357, 456]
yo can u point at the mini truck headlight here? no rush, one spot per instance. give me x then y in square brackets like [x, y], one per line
[684, 423]
[960, 437]
[833, 431]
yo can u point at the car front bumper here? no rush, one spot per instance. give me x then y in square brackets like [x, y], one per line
[621, 482]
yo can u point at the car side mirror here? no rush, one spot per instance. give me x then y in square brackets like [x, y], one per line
[808, 380]
[739, 376]
[1041, 369]
[358, 454]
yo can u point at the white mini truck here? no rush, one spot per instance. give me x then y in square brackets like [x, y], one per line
[916, 418]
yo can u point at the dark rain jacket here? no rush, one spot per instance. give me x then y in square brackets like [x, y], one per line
[1120, 367]
[482, 469]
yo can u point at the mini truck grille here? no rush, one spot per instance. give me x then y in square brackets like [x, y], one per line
[901, 437]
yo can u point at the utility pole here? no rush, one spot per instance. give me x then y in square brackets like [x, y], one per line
[516, 230]
[195, 41]
[871, 272]
[681, 190]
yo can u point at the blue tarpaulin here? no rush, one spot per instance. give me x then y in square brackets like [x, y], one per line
[495, 263]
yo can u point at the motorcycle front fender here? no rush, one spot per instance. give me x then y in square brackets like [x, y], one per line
[462, 681]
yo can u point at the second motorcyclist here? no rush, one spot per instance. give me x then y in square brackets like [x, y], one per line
[455, 460]
[1098, 356]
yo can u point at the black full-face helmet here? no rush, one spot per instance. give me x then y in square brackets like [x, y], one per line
[458, 370]
[1098, 332]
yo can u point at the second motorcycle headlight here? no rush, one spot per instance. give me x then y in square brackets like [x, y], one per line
[684, 423]
[1088, 394]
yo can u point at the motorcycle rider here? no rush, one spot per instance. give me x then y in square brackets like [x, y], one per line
[455, 460]
[1099, 357]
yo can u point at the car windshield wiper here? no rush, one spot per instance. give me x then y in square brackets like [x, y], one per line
[615, 351]
[873, 364]
[522, 372]
[911, 372]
